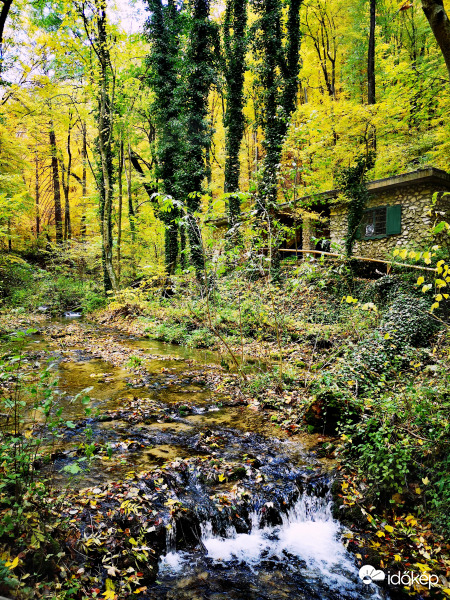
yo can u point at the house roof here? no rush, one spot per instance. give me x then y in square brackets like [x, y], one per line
[428, 175]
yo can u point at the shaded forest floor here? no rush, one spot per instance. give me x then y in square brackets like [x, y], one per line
[371, 378]
[368, 381]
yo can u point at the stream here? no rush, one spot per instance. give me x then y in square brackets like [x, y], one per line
[265, 531]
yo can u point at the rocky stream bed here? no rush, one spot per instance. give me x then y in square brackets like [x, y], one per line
[187, 493]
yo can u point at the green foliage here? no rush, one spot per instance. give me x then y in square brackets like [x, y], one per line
[23, 286]
[259, 384]
[8, 582]
[408, 321]
[235, 44]
[439, 494]
[171, 333]
[15, 275]
[31, 417]
[201, 338]
[134, 362]
[382, 453]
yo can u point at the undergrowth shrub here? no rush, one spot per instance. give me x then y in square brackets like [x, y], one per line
[171, 333]
[408, 321]
[31, 416]
[382, 454]
[439, 495]
[26, 287]
[201, 338]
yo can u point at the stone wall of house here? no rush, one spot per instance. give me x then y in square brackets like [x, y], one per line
[416, 222]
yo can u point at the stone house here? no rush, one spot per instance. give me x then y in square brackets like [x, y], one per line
[397, 215]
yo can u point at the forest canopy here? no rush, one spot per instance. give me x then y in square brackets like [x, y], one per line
[129, 128]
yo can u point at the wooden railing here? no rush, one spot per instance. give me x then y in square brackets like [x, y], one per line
[390, 263]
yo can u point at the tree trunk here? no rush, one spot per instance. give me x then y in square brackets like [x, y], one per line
[84, 185]
[66, 173]
[105, 133]
[371, 56]
[56, 185]
[3, 16]
[37, 197]
[119, 224]
[235, 48]
[440, 25]
[131, 213]
[371, 95]
[165, 59]
[280, 96]
[198, 86]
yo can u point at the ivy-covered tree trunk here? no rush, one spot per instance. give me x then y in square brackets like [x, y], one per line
[183, 261]
[163, 29]
[279, 78]
[199, 78]
[279, 69]
[235, 47]
[37, 195]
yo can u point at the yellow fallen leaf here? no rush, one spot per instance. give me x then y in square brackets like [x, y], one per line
[12, 564]
[380, 534]
[389, 528]
[397, 558]
[221, 477]
[110, 593]
[425, 481]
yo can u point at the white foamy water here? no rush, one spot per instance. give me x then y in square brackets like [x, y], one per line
[173, 562]
[307, 542]
[308, 533]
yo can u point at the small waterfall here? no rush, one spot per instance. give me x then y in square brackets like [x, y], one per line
[308, 540]
[172, 559]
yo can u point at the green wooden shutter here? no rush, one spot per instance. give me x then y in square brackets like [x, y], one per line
[394, 219]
